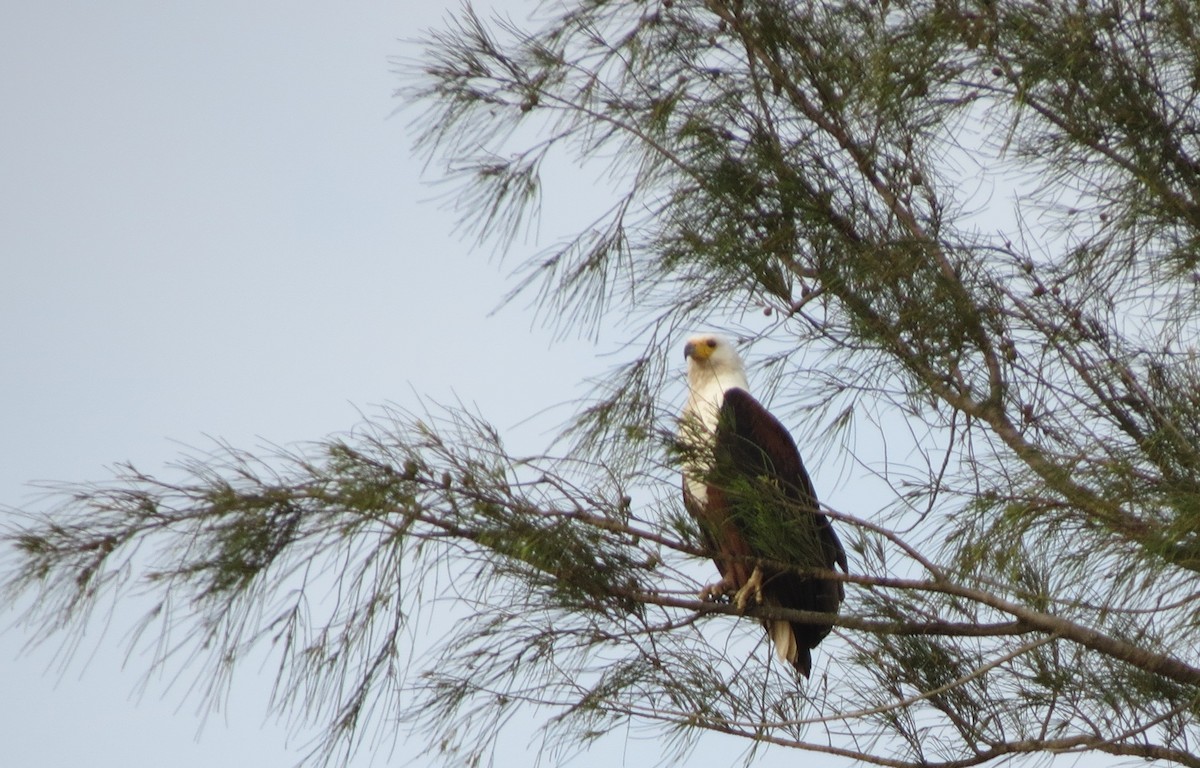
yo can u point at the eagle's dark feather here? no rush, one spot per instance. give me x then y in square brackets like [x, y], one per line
[761, 504]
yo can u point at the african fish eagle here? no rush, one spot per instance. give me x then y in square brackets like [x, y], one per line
[745, 484]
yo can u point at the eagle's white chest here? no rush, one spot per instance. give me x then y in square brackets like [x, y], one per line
[709, 376]
[698, 431]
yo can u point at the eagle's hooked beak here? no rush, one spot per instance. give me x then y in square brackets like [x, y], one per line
[699, 350]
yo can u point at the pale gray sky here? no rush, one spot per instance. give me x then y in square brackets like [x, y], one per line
[210, 226]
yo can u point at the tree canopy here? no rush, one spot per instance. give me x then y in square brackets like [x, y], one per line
[966, 230]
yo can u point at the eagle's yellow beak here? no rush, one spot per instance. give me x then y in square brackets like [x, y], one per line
[698, 351]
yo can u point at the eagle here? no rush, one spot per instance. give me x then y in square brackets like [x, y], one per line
[746, 486]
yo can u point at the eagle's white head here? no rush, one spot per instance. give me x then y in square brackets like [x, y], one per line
[713, 359]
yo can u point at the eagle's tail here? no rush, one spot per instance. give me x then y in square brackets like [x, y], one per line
[783, 636]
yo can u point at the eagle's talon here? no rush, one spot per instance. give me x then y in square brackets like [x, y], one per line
[715, 591]
[753, 586]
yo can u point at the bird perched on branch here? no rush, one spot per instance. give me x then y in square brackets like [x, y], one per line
[745, 484]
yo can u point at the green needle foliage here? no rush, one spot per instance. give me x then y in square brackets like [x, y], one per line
[963, 230]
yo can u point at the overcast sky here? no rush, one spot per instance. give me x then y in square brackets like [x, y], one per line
[210, 226]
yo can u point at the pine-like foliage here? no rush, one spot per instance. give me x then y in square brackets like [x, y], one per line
[963, 229]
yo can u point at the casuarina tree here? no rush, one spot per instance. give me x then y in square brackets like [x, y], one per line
[966, 231]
